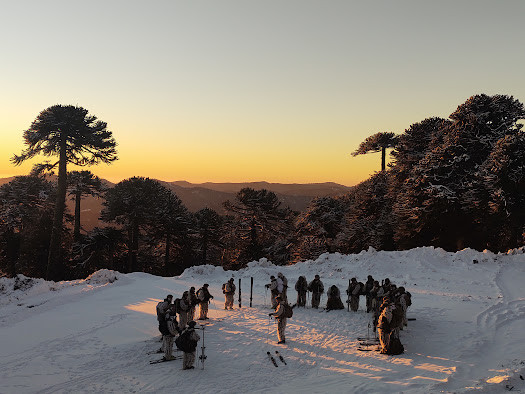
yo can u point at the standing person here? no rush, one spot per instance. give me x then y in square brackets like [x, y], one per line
[172, 329]
[301, 286]
[383, 325]
[162, 308]
[274, 290]
[189, 339]
[284, 291]
[334, 299]
[228, 289]
[368, 288]
[317, 289]
[279, 315]
[204, 297]
[402, 298]
[184, 307]
[354, 289]
[193, 303]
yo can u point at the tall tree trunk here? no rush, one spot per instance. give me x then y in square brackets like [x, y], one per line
[76, 231]
[383, 159]
[54, 259]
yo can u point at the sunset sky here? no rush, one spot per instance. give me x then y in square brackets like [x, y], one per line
[234, 91]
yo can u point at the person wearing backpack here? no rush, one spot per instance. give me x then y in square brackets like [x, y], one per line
[317, 289]
[228, 289]
[192, 297]
[187, 342]
[354, 290]
[284, 291]
[301, 286]
[204, 297]
[281, 314]
[162, 308]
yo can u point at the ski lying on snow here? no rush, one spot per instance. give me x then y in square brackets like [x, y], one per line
[162, 360]
[280, 357]
[367, 339]
[272, 359]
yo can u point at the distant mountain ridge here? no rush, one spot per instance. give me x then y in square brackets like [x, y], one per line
[196, 196]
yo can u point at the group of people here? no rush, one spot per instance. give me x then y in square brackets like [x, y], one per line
[184, 327]
[386, 301]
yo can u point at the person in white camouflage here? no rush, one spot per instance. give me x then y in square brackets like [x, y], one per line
[281, 320]
[204, 298]
[172, 329]
[284, 291]
[184, 306]
[228, 290]
[189, 357]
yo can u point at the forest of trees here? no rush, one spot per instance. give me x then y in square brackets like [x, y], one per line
[452, 183]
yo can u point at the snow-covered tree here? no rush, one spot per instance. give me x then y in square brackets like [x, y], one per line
[431, 208]
[369, 220]
[318, 227]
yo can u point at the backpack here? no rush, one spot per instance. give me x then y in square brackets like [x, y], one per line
[394, 346]
[288, 310]
[185, 343]
[362, 290]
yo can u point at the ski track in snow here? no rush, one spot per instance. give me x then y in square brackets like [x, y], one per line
[468, 335]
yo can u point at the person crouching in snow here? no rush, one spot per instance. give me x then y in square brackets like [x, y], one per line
[172, 329]
[192, 339]
[281, 319]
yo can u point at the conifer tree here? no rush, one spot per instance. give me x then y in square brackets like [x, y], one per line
[75, 137]
[26, 211]
[378, 142]
[82, 183]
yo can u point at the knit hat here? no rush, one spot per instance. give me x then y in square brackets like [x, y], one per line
[191, 324]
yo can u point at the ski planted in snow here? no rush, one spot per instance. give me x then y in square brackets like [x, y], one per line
[280, 357]
[272, 359]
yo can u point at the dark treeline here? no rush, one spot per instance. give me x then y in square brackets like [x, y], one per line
[452, 183]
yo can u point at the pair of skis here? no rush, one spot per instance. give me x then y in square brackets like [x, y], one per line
[163, 360]
[272, 359]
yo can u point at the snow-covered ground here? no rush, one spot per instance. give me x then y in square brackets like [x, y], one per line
[94, 335]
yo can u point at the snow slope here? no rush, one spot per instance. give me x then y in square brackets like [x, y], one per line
[94, 335]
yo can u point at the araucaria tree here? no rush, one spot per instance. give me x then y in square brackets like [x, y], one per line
[82, 183]
[68, 132]
[259, 220]
[151, 215]
[378, 142]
